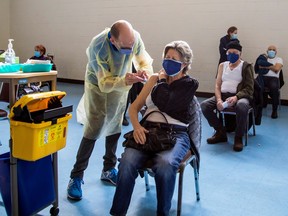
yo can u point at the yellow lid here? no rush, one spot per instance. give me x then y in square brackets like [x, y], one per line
[36, 101]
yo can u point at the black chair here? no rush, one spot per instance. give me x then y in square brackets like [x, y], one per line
[188, 159]
[231, 111]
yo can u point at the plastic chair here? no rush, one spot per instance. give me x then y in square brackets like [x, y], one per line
[188, 159]
[231, 111]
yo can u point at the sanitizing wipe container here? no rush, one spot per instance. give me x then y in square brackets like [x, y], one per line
[26, 68]
[38, 125]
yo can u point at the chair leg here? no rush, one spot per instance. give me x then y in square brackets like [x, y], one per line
[147, 185]
[247, 126]
[223, 119]
[279, 106]
[253, 120]
[196, 177]
[247, 129]
[180, 189]
[192, 161]
[1, 86]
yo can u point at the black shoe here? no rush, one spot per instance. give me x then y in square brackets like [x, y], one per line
[219, 136]
[238, 144]
[274, 115]
[3, 113]
[125, 122]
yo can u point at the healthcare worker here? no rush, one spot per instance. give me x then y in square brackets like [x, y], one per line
[107, 82]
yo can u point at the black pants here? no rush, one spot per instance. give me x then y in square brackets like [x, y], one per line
[85, 150]
[272, 83]
[242, 106]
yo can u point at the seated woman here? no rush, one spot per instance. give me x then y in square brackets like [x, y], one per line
[171, 92]
[39, 54]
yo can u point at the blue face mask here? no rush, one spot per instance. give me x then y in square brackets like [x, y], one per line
[125, 51]
[37, 53]
[232, 57]
[172, 67]
[233, 36]
[271, 53]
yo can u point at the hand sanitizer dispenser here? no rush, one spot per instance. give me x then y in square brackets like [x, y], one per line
[10, 54]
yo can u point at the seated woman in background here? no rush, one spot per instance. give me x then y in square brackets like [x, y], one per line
[39, 54]
[171, 92]
[24, 89]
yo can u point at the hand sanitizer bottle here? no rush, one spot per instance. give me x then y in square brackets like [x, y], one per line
[10, 54]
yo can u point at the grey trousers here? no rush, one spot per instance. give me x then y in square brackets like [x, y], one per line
[85, 150]
[242, 106]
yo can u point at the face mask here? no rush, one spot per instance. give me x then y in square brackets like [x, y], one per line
[125, 51]
[232, 57]
[172, 67]
[37, 53]
[233, 36]
[271, 53]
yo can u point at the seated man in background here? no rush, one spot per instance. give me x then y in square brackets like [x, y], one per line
[234, 85]
[268, 68]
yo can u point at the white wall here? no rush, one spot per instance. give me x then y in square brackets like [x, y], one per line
[5, 23]
[66, 27]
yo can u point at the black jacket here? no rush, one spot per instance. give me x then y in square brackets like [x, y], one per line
[262, 61]
[222, 48]
[175, 99]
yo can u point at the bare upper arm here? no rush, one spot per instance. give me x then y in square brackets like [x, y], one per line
[219, 76]
[141, 98]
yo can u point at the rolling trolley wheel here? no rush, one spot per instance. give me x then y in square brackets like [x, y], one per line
[54, 211]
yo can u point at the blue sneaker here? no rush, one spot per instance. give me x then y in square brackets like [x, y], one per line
[110, 176]
[74, 191]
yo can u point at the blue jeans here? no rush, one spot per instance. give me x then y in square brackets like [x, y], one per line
[165, 167]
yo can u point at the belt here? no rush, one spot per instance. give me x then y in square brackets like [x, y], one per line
[165, 126]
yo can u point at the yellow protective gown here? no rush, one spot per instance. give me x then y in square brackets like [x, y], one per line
[106, 93]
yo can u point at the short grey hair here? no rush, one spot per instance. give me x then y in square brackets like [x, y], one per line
[184, 50]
